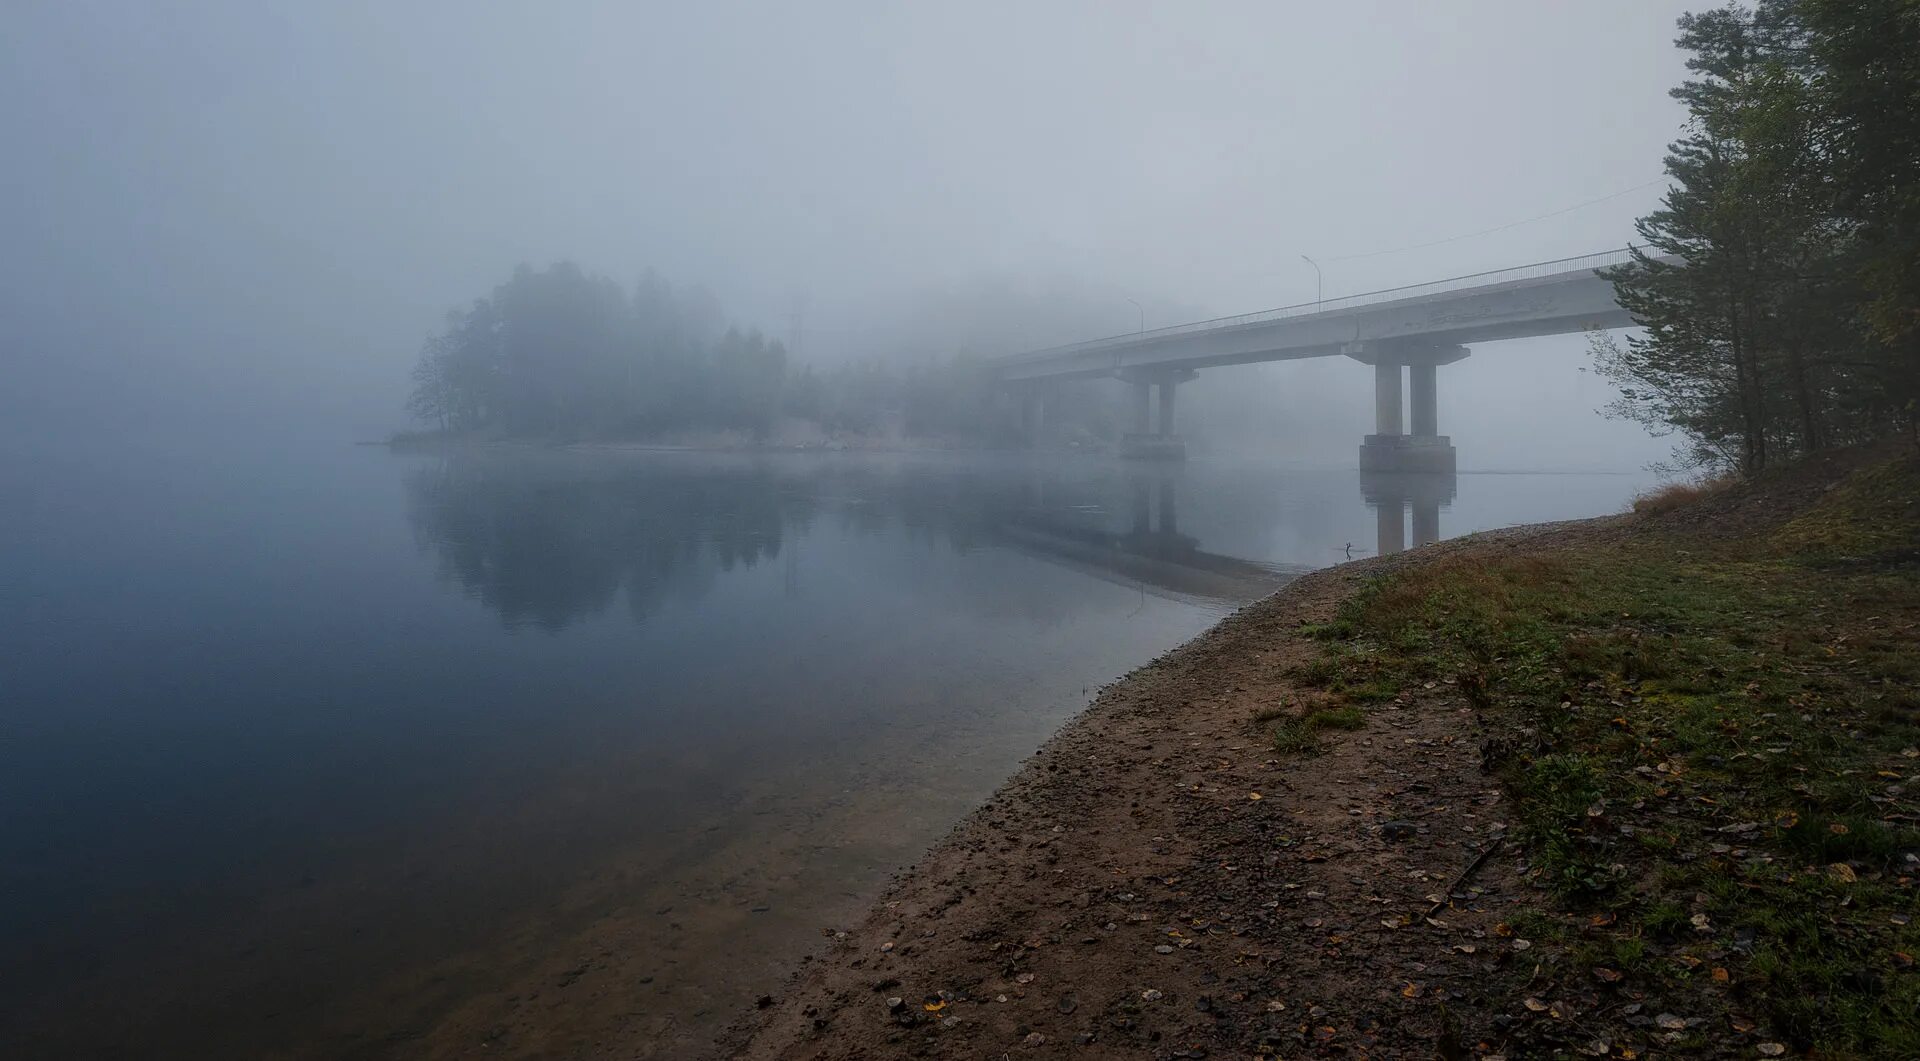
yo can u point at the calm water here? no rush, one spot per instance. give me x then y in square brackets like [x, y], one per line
[332, 752]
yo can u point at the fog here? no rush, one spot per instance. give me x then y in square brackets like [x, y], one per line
[239, 218]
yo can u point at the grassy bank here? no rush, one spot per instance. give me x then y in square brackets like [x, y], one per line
[1709, 729]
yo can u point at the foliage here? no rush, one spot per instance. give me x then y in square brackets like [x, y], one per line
[1756, 278]
[557, 353]
[1678, 495]
[1710, 747]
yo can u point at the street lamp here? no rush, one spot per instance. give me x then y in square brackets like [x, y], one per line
[1319, 281]
[1143, 314]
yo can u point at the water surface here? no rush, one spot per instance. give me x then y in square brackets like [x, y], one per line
[328, 752]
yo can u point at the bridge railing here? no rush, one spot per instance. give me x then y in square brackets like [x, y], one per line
[1579, 264]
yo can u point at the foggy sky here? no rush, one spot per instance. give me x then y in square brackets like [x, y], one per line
[252, 213]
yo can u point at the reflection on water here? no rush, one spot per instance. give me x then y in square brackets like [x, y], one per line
[1393, 495]
[544, 541]
[283, 786]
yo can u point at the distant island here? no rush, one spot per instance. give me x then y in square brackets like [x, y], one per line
[559, 355]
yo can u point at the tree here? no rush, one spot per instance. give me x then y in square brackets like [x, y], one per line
[1747, 281]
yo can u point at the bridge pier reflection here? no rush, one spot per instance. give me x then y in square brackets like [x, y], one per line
[1392, 494]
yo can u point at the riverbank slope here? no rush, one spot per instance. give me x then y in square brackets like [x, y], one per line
[1625, 786]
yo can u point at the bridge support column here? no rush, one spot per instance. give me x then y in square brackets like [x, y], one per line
[1033, 415]
[1150, 440]
[1424, 449]
[1386, 398]
[1425, 400]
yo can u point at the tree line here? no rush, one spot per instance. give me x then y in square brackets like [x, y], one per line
[1779, 281]
[562, 354]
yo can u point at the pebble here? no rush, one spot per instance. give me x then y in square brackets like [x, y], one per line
[1163, 949]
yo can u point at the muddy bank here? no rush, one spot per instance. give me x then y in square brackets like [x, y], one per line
[1159, 882]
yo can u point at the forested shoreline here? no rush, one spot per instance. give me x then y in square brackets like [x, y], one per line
[562, 355]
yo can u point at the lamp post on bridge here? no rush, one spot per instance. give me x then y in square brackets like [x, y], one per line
[1319, 281]
[1143, 314]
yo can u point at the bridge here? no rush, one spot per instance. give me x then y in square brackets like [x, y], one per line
[1405, 333]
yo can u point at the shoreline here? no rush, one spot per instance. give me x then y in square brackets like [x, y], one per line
[1028, 866]
[1379, 875]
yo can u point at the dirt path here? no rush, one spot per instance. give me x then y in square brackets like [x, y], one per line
[1158, 882]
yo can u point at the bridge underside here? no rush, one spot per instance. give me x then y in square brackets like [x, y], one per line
[1405, 335]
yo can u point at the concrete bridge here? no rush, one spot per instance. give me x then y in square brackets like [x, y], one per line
[1405, 333]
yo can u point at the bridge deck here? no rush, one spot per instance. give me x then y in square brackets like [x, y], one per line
[1546, 298]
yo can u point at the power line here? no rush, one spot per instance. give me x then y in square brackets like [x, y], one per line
[1497, 228]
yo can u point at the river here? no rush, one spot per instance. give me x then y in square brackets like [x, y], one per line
[322, 751]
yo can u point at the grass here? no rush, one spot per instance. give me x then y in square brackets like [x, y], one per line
[1715, 744]
[1300, 735]
[1673, 496]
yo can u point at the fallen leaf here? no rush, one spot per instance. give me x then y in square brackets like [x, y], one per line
[1535, 1005]
[1611, 976]
[1254, 796]
[1771, 1049]
[1412, 990]
[1670, 1022]
[1842, 872]
[1720, 975]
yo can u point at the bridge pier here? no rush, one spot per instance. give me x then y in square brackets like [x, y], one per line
[1148, 440]
[1033, 415]
[1425, 449]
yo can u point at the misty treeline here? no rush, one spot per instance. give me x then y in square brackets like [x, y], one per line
[558, 353]
[1779, 283]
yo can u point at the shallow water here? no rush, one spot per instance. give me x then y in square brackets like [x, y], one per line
[331, 752]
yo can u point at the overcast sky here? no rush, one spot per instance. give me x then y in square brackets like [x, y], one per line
[268, 205]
